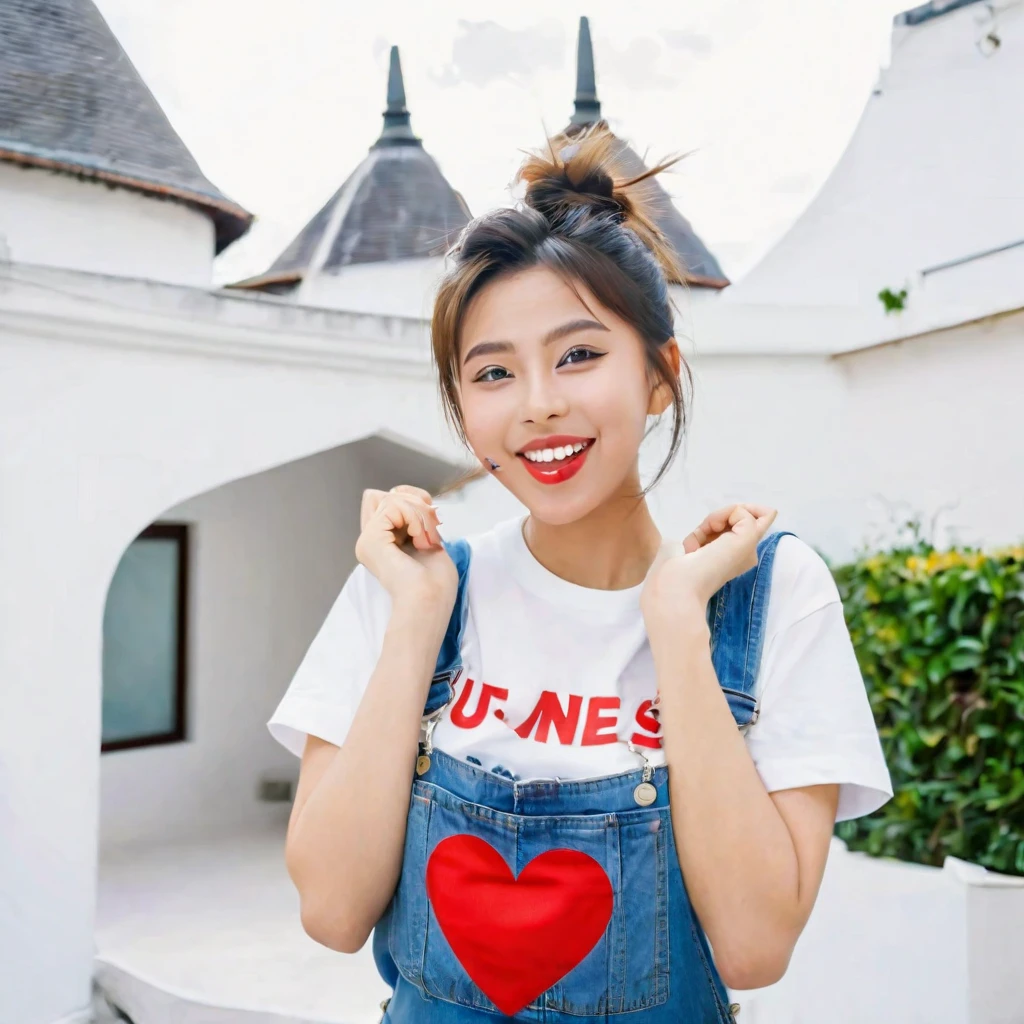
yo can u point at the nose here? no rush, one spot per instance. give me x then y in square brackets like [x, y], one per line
[543, 399]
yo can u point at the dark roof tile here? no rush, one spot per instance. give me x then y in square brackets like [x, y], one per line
[71, 101]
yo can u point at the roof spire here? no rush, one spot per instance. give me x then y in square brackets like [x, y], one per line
[587, 107]
[397, 129]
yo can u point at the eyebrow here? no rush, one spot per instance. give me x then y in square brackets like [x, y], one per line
[486, 348]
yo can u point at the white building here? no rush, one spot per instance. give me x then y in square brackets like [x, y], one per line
[918, 406]
[132, 392]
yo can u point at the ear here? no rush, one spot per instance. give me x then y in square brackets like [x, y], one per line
[661, 396]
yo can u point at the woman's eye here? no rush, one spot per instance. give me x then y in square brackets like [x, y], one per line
[579, 355]
[492, 373]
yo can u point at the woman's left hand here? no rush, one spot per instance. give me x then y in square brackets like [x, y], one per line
[686, 575]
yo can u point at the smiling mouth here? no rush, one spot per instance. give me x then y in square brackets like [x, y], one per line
[557, 463]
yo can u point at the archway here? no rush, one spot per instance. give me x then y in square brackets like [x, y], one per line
[193, 901]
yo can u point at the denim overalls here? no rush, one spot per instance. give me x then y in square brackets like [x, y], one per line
[556, 901]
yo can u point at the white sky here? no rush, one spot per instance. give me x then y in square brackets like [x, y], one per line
[280, 101]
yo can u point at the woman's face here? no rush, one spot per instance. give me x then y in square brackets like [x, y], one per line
[556, 395]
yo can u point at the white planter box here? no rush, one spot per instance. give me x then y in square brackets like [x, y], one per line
[896, 943]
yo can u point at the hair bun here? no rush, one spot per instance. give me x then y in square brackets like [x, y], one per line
[556, 194]
[588, 171]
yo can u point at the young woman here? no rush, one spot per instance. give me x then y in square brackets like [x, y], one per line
[516, 749]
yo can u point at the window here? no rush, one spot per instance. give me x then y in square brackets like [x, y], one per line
[144, 641]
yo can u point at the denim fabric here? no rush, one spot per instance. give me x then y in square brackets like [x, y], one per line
[736, 615]
[652, 961]
[449, 658]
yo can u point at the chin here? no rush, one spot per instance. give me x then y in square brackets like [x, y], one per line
[559, 516]
[559, 510]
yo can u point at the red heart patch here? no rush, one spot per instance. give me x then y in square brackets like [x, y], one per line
[516, 937]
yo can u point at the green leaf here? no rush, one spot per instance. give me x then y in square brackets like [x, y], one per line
[969, 643]
[941, 648]
[963, 661]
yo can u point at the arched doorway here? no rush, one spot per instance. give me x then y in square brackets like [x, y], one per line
[194, 904]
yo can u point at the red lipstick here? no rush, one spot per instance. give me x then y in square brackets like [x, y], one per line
[555, 459]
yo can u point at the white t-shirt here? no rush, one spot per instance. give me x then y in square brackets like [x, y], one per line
[556, 677]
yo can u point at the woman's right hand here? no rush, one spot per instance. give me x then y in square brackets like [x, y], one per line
[400, 545]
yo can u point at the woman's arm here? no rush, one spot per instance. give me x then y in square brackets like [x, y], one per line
[752, 862]
[347, 829]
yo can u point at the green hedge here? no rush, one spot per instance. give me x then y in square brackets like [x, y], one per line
[940, 640]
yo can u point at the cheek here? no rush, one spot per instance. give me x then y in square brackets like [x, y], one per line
[617, 401]
[484, 420]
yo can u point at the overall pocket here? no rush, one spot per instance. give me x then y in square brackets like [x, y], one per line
[407, 924]
[507, 912]
[631, 971]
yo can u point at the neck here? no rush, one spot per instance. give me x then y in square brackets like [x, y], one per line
[611, 548]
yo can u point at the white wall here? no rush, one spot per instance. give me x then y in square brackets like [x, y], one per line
[935, 425]
[56, 220]
[269, 554]
[931, 173]
[762, 429]
[849, 446]
[402, 288]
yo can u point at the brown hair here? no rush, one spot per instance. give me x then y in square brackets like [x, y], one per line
[589, 221]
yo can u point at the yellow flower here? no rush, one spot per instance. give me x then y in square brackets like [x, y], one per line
[887, 634]
[904, 800]
[939, 560]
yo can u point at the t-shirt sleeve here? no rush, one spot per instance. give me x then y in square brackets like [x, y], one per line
[815, 724]
[329, 682]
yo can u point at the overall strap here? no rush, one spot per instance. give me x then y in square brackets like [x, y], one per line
[736, 616]
[449, 658]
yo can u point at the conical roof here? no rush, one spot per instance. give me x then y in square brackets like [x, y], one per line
[395, 205]
[71, 101]
[702, 268]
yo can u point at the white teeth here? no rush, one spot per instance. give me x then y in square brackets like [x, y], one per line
[555, 454]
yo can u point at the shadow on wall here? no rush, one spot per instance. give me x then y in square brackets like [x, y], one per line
[206, 621]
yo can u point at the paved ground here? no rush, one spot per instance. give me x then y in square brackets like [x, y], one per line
[209, 932]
